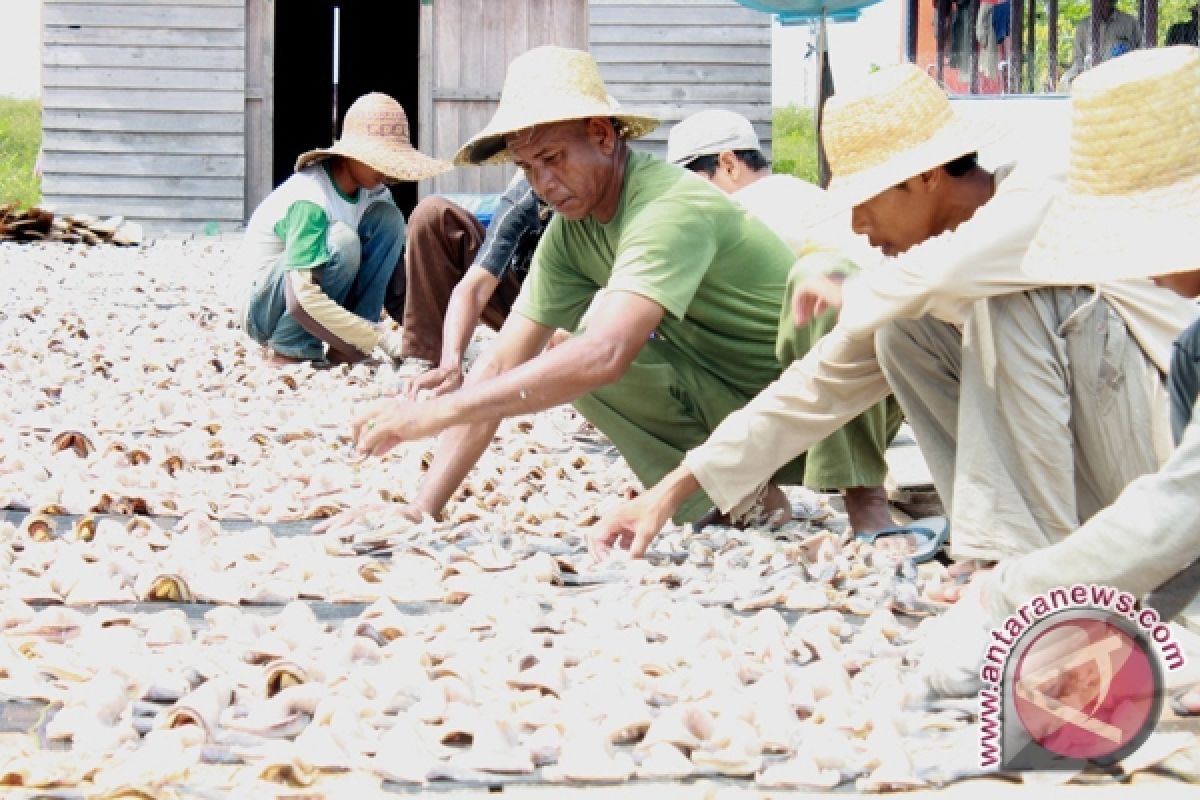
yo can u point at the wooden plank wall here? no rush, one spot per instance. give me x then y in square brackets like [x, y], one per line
[472, 43]
[669, 58]
[144, 110]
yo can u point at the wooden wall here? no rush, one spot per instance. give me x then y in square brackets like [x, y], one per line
[466, 46]
[144, 110]
[669, 58]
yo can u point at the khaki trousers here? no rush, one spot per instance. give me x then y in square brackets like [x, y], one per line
[1032, 418]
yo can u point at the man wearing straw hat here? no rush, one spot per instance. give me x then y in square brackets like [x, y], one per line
[323, 245]
[684, 331]
[1033, 406]
[1130, 210]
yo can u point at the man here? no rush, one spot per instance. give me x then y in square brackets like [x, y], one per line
[1119, 34]
[1033, 406]
[1184, 32]
[722, 147]
[1130, 210]
[684, 331]
[322, 247]
[456, 276]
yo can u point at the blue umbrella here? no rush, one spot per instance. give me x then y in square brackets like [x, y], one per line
[796, 12]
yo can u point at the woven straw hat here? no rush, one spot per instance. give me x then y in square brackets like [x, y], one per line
[1131, 205]
[375, 132]
[896, 124]
[544, 85]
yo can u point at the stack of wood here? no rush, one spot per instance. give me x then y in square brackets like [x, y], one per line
[42, 225]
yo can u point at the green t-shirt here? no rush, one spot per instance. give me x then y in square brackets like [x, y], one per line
[719, 272]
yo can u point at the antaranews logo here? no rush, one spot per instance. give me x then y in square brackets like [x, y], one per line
[1074, 676]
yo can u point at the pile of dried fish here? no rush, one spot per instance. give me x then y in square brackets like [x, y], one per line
[41, 224]
[485, 649]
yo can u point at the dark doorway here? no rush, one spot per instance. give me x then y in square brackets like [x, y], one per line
[379, 46]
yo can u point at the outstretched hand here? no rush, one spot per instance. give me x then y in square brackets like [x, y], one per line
[437, 381]
[389, 422]
[361, 514]
[816, 295]
[631, 526]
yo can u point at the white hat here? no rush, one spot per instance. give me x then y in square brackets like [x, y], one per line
[896, 124]
[1131, 205]
[544, 85]
[375, 132]
[707, 132]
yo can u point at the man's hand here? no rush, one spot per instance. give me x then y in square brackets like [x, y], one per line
[390, 422]
[391, 344]
[437, 381]
[632, 526]
[815, 295]
[362, 514]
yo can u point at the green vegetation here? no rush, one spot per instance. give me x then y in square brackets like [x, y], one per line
[20, 139]
[794, 144]
[1070, 12]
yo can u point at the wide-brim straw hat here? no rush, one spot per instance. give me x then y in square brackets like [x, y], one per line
[896, 124]
[1131, 204]
[375, 132]
[545, 85]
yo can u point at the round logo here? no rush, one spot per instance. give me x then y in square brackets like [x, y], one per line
[1087, 686]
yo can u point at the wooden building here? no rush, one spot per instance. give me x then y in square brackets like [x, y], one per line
[184, 113]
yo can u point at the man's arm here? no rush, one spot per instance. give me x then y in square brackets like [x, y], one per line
[838, 380]
[467, 302]
[510, 382]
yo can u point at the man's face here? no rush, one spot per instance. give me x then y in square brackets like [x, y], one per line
[1106, 8]
[568, 164]
[898, 218]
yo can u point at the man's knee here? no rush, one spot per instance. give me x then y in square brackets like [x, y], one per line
[345, 247]
[430, 215]
[897, 339]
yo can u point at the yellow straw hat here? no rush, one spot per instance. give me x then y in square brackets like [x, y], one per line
[1131, 205]
[375, 132]
[896, 124]
[544, 85]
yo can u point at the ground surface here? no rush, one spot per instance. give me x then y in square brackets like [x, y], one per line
[172, 626]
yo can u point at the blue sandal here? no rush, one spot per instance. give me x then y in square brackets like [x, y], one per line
[932, 531]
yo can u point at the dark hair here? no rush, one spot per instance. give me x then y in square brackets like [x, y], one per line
[753, 159]
[962, 165]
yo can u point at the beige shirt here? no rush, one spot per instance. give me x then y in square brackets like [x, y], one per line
[1121, 28]
[840, 377]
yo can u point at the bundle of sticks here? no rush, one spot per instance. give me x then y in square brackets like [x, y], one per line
[40, 224]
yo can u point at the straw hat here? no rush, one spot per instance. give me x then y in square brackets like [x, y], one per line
[1131, 205]
[375, 132]
[543, 85]
[896, 124]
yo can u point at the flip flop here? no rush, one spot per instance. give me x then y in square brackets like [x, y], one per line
[1177, 706]
[932, 531]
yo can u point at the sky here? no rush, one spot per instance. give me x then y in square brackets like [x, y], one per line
[854, 47]
[20, 48]
[874, 39]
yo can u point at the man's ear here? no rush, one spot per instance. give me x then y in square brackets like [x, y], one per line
[931, 180]
[727, 161]
[601, 131]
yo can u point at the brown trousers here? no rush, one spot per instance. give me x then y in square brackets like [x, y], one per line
[442, 242]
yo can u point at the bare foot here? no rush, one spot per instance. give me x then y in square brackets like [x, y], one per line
[279, 359]
[867, 507]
